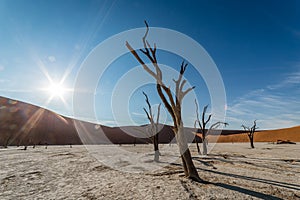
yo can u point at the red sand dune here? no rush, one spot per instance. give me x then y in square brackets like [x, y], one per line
[292, 134]
[26, 124]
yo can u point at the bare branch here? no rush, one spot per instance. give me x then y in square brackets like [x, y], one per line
[182, 85]
[133, 52]
[145, 36]
[217, 124]
[253, 128]
[187, 91]
[158, 75]
[208, 119]
[148, 116]
[197, 113]
[203, 115]
[170, 104]
[246, 128]
[183, 67]
[147, 100]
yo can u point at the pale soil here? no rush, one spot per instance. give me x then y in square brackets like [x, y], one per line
[234, 171]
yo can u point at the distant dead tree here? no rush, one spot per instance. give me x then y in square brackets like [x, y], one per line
[202, 124]
[250, 132]
[197, 139]
[7, 139]
[172, 104]
[153, 127]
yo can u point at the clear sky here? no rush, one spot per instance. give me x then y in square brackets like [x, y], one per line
[255, 45]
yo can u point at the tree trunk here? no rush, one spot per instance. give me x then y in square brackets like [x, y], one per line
[156, 150]
[6, 143]
[204, 146]
[197, 144]
[190, 170]
[251, 141]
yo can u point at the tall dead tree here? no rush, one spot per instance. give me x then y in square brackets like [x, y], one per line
[250, 132]
[153, 126]
[172, 104]
[202, 125]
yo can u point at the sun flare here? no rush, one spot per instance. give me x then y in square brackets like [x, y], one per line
[56, 90]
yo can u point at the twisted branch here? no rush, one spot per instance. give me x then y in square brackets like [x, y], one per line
[172, 106]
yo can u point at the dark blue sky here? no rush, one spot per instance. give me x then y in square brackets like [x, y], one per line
[255, 45]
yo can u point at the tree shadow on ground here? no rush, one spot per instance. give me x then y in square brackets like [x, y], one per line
[260, 180]
[246, 191]
[240, 189]
[245, 160]
[236, 188]
[256, 159]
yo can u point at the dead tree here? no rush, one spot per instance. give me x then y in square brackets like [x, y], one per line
[172, 104]
[196, 139]
[153, 127]
[7, 140]
[202, 124]
[250, 132]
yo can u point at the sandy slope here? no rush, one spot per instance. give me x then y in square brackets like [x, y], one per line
[234, 171]
[292, 134]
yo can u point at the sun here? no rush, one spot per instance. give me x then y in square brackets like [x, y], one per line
[56, 90]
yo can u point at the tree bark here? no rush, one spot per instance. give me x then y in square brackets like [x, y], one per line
[204, 146]
[197, 144]
[251, 141]
[156, 149]
[190, 170]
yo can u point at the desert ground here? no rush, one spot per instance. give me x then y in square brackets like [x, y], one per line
[232, 170]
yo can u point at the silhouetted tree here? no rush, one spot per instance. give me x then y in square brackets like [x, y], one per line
[172, 104]
[250, 132]
[7, 139]
[153, 127]
[202, 124]
[197, 138]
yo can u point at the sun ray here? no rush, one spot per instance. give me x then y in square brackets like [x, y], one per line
[31, 122]
[42, 67]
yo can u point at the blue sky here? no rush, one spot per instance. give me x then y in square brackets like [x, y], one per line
[255, 45]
